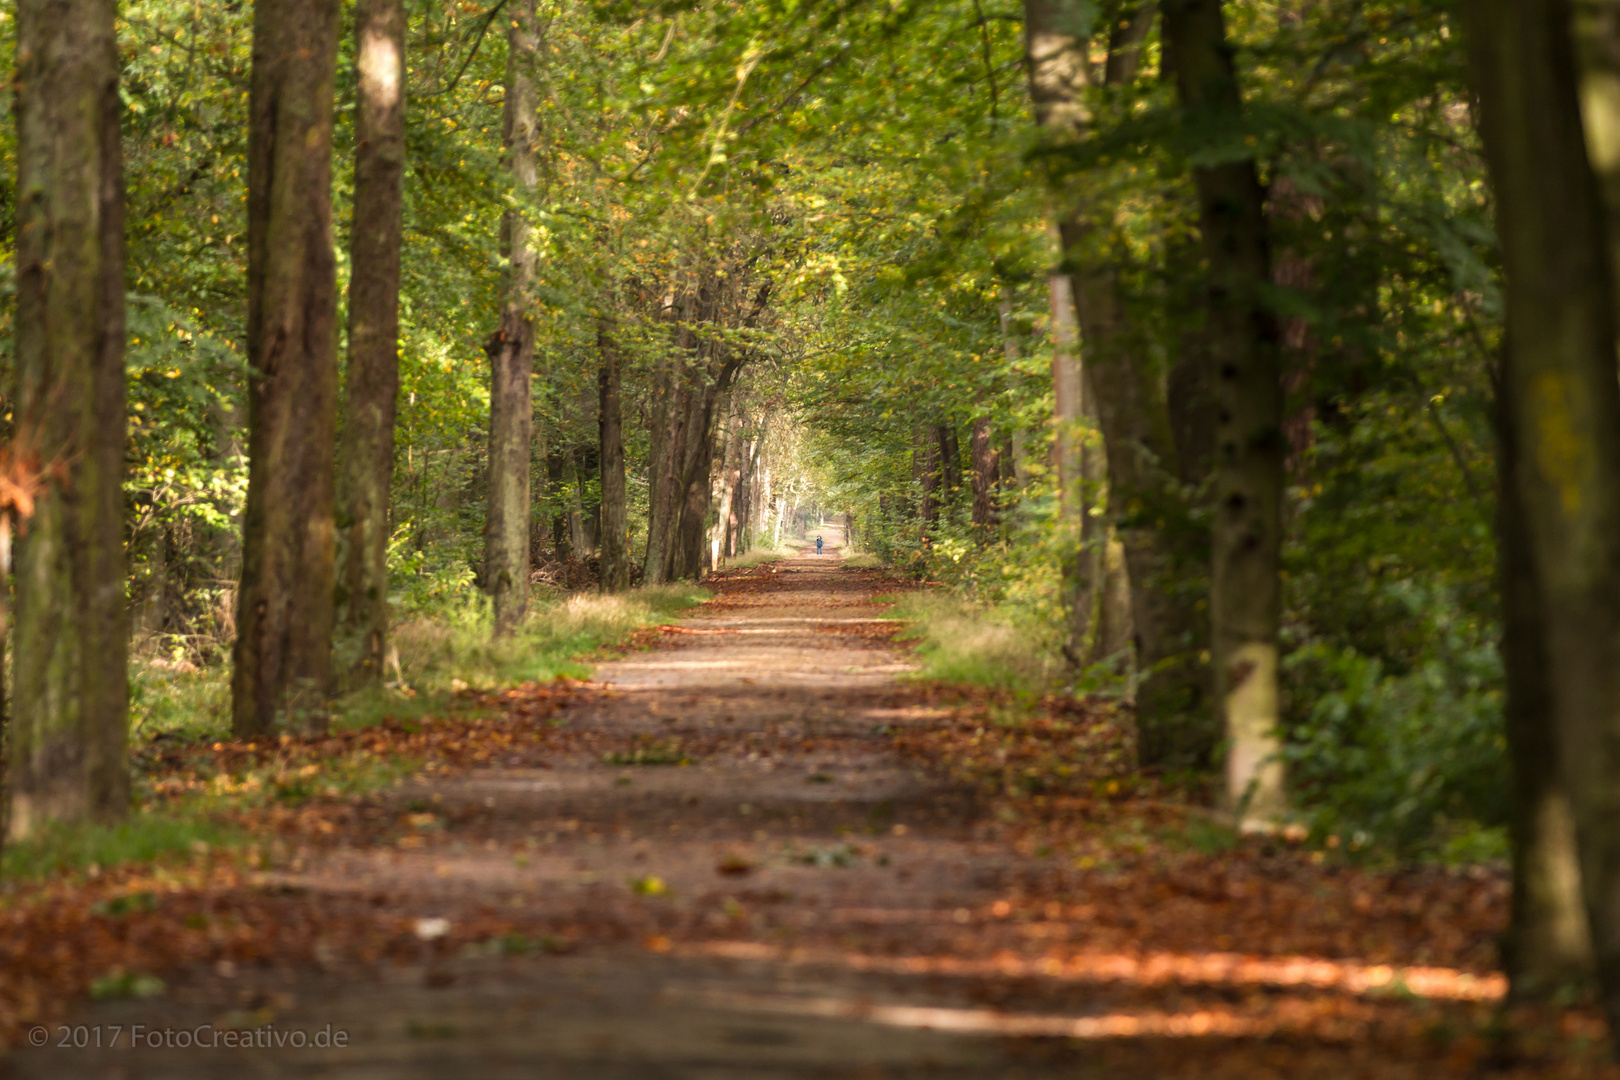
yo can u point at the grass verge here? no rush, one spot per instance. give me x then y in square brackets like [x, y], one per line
[443, 666]
[971, 644]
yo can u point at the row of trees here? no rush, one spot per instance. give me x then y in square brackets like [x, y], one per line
[304, 557]
[1177, 329]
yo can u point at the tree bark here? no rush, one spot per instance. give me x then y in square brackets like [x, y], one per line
[1548, 947]
[1246, 594]
[371, 385]
[1174, 728]
[562, 540]
[68, 741]
[1082, 561]
[1560, 420]
[610, 428]
[950, 457]
[285, 605]
[925, 470]
[511, 349]
[986, 468]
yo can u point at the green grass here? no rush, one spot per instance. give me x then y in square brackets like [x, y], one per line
[863, 561]
[143, 838]
[436, 657]
[758, 557]
[437, 654]
[962, 642]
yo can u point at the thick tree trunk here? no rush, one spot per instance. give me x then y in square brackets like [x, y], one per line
[511, 349]
[614, 536]
[366, 446]
[69, 715]
[1548, 947]
[1560, 423]
[1246, 595]
[285, 605]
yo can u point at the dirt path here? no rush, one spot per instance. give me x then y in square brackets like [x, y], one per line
[721, 866]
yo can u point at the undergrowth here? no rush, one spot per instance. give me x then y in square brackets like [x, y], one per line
[963, 642]
[434, 653]
[439, 661]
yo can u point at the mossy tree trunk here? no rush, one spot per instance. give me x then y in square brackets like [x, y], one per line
[1245, 591]
[511, 348]
[1559, 423]
[285, 605]
[68, 733]
[366, 456]
[1174, 726]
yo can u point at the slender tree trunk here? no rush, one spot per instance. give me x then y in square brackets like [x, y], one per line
[614, 536]
[1597, 43]
[665, 458]
[1082, 563]
[925, 470]
[366, 446]
[1246, 595]
[285, 605]
[69, 717]
[1173, 724]
[1014, 455]
[562, 540]
[511, 349]
[579, 539]
[986, 468]
[1560, 425]
[950, 457]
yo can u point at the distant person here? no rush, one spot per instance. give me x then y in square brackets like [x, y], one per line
[818, 545]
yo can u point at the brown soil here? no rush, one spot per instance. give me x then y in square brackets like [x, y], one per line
[751, 849]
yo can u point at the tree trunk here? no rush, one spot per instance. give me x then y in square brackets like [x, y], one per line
[1548, 947]
[925, 469]
[579, 539]
[366, 447]
[950, 456]
[1082, 560]
[1174, 727]
[285, 604]
[1560, 424]
[70, 704]
[1597, 43]
[610, 426]
[986, 468]
[1014, 455]
[665, 457]
[562, 540]
[511, 349]
[1246, 595]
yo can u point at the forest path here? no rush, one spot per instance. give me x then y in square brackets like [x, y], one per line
[698, 902]
[718, 865]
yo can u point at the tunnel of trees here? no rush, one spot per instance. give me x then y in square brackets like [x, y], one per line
[1261, 360]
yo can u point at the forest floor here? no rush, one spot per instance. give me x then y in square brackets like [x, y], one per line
[750, 847]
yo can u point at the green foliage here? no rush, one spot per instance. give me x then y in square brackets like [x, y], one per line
[1401, 759]
[959, 641]
[144, 837]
